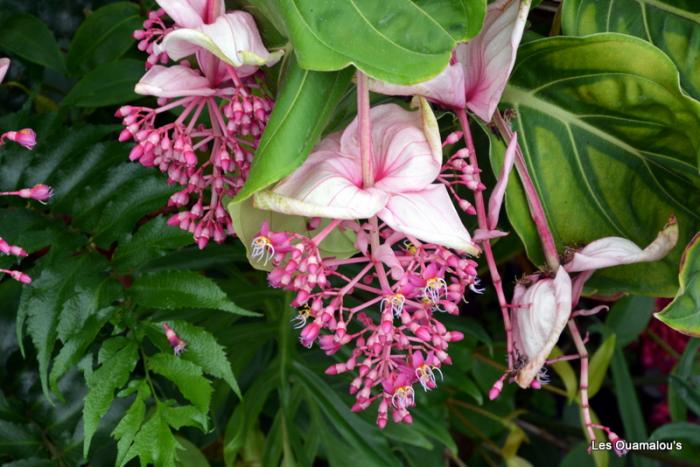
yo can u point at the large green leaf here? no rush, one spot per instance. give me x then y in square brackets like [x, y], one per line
[29, 37]
[611, 143]
[111, 83]
[104, 36]
[303, 107]
[403, 41]
[683, 313]
[599, 364]
[671, 25]
[182, 289]
[186, 375]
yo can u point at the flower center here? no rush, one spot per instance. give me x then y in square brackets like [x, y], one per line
[263, 250]
[403, 397]
[434, 288]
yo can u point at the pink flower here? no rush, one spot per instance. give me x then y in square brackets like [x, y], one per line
[4, 65]
[406, 160]
[25, 137]
[540, 313]
[38, 192]
[19, 276]
[477, 75]
[190, 13]
[614, 251]
[175, 342]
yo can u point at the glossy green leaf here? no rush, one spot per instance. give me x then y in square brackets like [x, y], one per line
[112, 375]
[104, 36]
[677, 431]
[402, 41]
[186, 375]
[688, 392]
[109, 84]
[683, 313]
[150, 242]
[203, 350]
[29, 37]
[599, 364]
[566, 373]
[671, 25]
[303, 107]
[182, 289]
[628, 318]
[128, 426]
[611, 143]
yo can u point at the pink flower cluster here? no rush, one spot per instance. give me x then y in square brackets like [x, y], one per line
[391, 319]
[222, 106]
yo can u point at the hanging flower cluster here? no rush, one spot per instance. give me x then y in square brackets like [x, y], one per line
[411, 266]
[221, 102]
[27, 138]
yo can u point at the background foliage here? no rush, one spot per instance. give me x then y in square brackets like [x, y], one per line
[610, 128]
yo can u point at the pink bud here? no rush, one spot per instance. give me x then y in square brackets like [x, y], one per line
[38, 192]
[496, 389]
[25, 137]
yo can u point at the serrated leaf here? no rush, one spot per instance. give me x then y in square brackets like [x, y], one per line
[599, 364]
[104, 36]
[102, 383]
[126, 429]
[303, 108]
[203, 350]
[611, 143]
[111, 83]
[29, 37]
[683, 313]
[154, 443]
[151, 241]
[671, 25]
[186, 375]
[182, 289]
[62, 281]
[403, 41]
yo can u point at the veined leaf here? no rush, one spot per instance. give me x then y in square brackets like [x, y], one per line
[102, 383]
[30, 38]
[187, 377]
[671, 25]
[128, 426]
[403, 41]
[683, 313]
[104, 36]
[303, 108]
[111, 83]
[182, 289]
[611, 143]
[154, 443]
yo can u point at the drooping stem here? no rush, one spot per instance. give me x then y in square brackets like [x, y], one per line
[486, 244]
[363, 129]
[583, 385]
[549, 247]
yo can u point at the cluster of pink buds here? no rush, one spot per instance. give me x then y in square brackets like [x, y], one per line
[222, 106]
[27, 138]
[458, 171]
[398, 339]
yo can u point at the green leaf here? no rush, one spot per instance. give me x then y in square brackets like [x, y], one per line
[109, 84]
[402, 41]
[154, 443]
[611, 143]
[303, 107]
[599, 364]
[566, 373]
[671, 25]
[112, 375]
[688, 392]
[187, 377]
[190, 455]
[202, 349]
[675, 431]
[28, 37]
[170, 290]
[128, 426]
[104, 36]
[628, 317]
[150, 242]
[68, 290]
[683, 313]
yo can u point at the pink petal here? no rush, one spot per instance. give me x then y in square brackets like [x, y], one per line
[173, 81]
[540, 317]
[446, 89]
[188, 14]
[430, 216]
[614, 251]
[406, 148]
[4, 65]
[488, 59]
[386, 255]
[496, 199]
[328, 184]
[233, 38]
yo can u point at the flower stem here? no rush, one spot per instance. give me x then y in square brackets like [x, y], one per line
[549, 247]
[363, 129]
[486, 244]
[583, 385]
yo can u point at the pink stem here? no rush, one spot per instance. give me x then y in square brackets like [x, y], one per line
[318, 238]
[533, 200]
[583, 387]
[486, 244]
